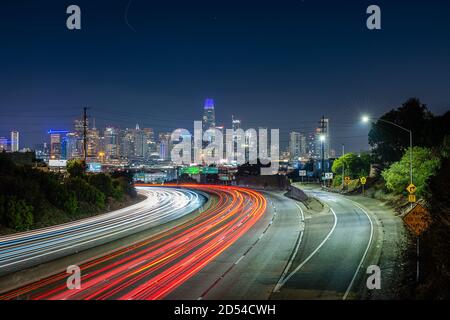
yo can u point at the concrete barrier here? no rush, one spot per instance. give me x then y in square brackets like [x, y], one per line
[297, 194]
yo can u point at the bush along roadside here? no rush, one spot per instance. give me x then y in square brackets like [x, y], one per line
[31, 198]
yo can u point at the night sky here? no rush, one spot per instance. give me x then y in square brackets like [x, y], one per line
[277, 64]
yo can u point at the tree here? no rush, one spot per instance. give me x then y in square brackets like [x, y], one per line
[436, 130]
[15, 213]
[425, 164]
[356, 166]
[125, 179]
[75, 168]
[390, 142]
[86, 193]
[102, 182]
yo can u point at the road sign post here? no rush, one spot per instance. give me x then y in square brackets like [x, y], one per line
[302, 173]
[347, 181]
[418, 219]
[363, 181]
[412, 190]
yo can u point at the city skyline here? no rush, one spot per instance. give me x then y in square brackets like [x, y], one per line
[277, 67]
[115, 141]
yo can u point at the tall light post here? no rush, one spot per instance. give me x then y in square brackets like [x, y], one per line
[322, 171]
[366, 119]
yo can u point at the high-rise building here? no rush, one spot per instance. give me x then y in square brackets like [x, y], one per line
[323, 139]
[164, 145]
[111, 142]
[70, 147]
[14, 141]
[42, 152]
[3, 144]
[297, 145]
[56, 143]
[151, 143]
[140, 142]
[311, 145]
[93, 142]
[79, 126]
[235, 123]
[209, 116]
[127, 143]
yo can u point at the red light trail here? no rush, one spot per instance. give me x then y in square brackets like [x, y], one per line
[153, 268]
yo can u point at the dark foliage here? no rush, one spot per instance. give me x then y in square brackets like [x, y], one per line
[31, 198]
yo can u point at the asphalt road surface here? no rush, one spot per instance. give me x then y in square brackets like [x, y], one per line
[291, 254]
[153, 268]
[333, 251]
[247, 245]
[161, 205]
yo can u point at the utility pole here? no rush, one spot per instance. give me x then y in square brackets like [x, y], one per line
[85, 125]
[322, 129]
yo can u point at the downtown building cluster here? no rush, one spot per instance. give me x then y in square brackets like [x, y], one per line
[12, 144]
[312, 145]
[111, 145]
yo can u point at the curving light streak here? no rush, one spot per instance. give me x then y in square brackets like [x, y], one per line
[29, 248]
[155, 267]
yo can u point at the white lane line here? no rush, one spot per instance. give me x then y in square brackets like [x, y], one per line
[365, 252]
[291, 260]
[241, 258]
[278, 287]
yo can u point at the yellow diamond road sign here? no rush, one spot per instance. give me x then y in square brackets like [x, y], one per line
[363, 180]
[418, 219]
[411, 188]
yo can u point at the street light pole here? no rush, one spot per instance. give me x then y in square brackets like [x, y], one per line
[366, 119]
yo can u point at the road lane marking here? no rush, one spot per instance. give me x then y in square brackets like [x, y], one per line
[365, 252]
[241, 258]
[288, 266]
[283, 282]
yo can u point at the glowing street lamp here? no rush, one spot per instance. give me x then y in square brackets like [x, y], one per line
[322, 139]
[367, 119]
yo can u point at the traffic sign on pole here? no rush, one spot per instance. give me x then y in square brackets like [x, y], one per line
[418, 219]
[363, 180]
[328, 175]
[411, 189]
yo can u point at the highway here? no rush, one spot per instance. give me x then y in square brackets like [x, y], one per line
[246, 245]
[22, 250]
[155, 267]
[334, 252]
[292, 254]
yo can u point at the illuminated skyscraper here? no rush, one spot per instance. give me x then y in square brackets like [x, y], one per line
[70, 147]
[235, 123]
[297, 145]
[140, 142]
[14, 141]
[164, 145]
[56, 143]
[93, 142]
[127, 143]
[209, 116]
[111, 143]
